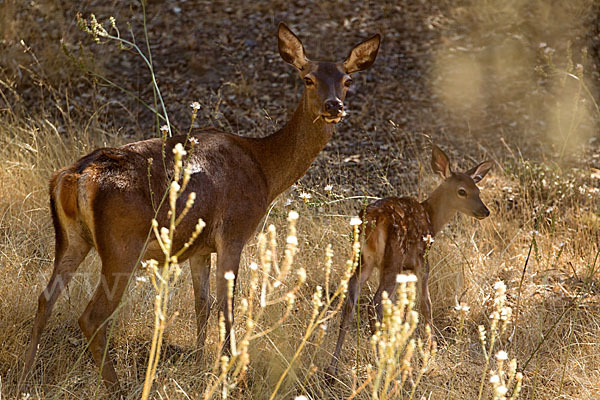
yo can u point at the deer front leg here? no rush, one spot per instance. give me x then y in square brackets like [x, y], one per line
[228, 261]
[425, 300]
[200, 269]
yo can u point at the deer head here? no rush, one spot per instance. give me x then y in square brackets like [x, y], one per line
[460, 190]
[326, 82]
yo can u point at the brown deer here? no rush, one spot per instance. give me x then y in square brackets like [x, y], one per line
[397, 232]
[104, 199]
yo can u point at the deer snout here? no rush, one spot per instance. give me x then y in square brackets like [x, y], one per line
[333, 107]
[482, 213]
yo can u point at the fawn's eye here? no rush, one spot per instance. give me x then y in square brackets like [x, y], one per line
[348, 82]
[308, 81]
[462, 192]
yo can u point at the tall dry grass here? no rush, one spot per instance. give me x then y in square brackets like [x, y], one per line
[542, 241]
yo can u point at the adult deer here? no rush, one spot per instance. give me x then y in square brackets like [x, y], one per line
[397, 232]
[104, 199]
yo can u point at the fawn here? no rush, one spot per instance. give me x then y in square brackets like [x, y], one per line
[397, 232]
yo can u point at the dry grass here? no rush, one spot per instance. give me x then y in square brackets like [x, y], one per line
[542, 239]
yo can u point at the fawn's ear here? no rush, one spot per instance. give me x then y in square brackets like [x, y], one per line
[440, 162]
[363, 55]
[290, 47]
[478, 172]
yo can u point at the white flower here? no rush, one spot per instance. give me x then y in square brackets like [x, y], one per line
[301, 398]
[355, 221]
[428, 239]
[462, 308]
[194, 141]
[292, 240]
[141, 279]
[253, 266]
[494, 379]
[164, 129]
[305, 196]
[195, 106]
[501, 355]
[500, 286]
[293, 216]
[328, 188]
[287, 203]
[229, 275]
[501, 390]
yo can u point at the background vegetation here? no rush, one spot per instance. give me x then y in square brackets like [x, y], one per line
[514, 81]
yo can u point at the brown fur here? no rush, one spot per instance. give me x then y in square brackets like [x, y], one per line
[395, 238]
[105, 200]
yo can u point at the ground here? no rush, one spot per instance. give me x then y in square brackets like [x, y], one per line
[515, 82]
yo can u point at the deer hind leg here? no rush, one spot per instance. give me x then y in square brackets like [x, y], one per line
[200, 268]
[118, 262]
[70, 252]
[361, 275]
[391, 266]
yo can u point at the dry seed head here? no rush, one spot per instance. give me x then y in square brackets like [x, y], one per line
[293, 216]
[164, 236]
[402, 278]
[229, 275]
[505, 313]
[482, 333]
[291, 298]
[173, 194]
[354, 221]
[187, 174]
[500, 391]
[500, 287]
[179, 151]
[519, 376]
[301, 275]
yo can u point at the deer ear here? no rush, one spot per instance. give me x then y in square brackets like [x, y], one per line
[440, 162]
[290, 47]
[363, 55]
[478, 172]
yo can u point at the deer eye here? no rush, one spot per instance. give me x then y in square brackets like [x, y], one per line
[308, 81]
[348, 82]
[462, 192]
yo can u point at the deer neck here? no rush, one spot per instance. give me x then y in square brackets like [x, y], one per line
[286, 155]
[439, 211]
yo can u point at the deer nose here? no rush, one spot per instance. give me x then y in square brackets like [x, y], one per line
[486, 212]
[334, 107]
